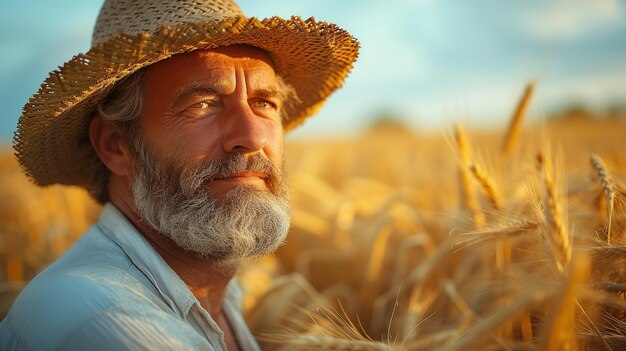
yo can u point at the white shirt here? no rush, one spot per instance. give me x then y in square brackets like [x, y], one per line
[112, 291]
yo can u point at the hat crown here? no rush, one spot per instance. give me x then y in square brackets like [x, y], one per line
[146, 16]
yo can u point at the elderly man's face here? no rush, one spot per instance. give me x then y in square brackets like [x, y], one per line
[210, 104]
[208, 166]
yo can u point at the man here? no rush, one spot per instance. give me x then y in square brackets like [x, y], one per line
[174, 120]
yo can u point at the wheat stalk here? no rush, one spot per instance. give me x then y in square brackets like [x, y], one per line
[467, 189]
[503, 247]
[298, 342]
[558, 237]
[516, 121]
[609, 189]
[560, 331]
[377, 257]
[501, 232]
[488, 186]
[485, 326]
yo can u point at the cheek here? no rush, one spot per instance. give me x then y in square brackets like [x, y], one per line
[275, 146]
[200, 143]
[186, 141]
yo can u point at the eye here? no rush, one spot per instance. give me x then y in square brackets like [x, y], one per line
[264, 104]
[202, 105]
[202, 109]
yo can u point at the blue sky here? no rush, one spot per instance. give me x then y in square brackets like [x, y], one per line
[431, 61]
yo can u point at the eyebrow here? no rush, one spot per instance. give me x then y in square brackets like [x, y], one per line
[200, 90]
[196, 90]
[271, 92]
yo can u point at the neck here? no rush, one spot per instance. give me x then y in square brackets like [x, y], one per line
[206, 279]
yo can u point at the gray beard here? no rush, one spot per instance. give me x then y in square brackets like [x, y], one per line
[177, 203]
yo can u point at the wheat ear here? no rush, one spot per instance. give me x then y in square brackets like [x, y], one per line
[467, 189]
[609, 189]
[516, 121]
[488, 186]
[557, 237]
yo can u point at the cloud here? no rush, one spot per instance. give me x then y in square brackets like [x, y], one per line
[567, 19]
[597, 89]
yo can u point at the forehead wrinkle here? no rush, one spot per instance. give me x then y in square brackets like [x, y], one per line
[263, 81]
[277, 88]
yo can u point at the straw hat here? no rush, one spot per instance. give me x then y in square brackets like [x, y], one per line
[52, 142]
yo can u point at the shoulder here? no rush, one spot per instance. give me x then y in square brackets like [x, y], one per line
[76, 313]
[92, 286]
[133, 328]
[120, 327]
[57, 302]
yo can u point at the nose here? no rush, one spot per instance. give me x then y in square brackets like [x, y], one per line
[242, 130]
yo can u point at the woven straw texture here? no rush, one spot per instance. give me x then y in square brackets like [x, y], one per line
[52, 142]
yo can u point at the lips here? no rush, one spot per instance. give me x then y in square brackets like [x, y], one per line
[253, 179]
[242, 176]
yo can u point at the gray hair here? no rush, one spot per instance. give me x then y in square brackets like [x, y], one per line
[125, 103]
[124, 106]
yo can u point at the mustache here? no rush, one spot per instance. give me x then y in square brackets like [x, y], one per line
[232, 165]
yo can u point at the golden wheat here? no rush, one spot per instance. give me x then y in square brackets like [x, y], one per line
[469, 195]
[512, 133]
[387, 252]
[609, 190]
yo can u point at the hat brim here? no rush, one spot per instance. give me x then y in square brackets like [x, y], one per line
[52, 142]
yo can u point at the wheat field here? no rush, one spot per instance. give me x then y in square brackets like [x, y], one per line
[466, 240]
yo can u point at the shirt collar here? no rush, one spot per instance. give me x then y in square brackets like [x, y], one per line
[173, 290]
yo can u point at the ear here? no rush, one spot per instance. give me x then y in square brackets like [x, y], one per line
[111, 146]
